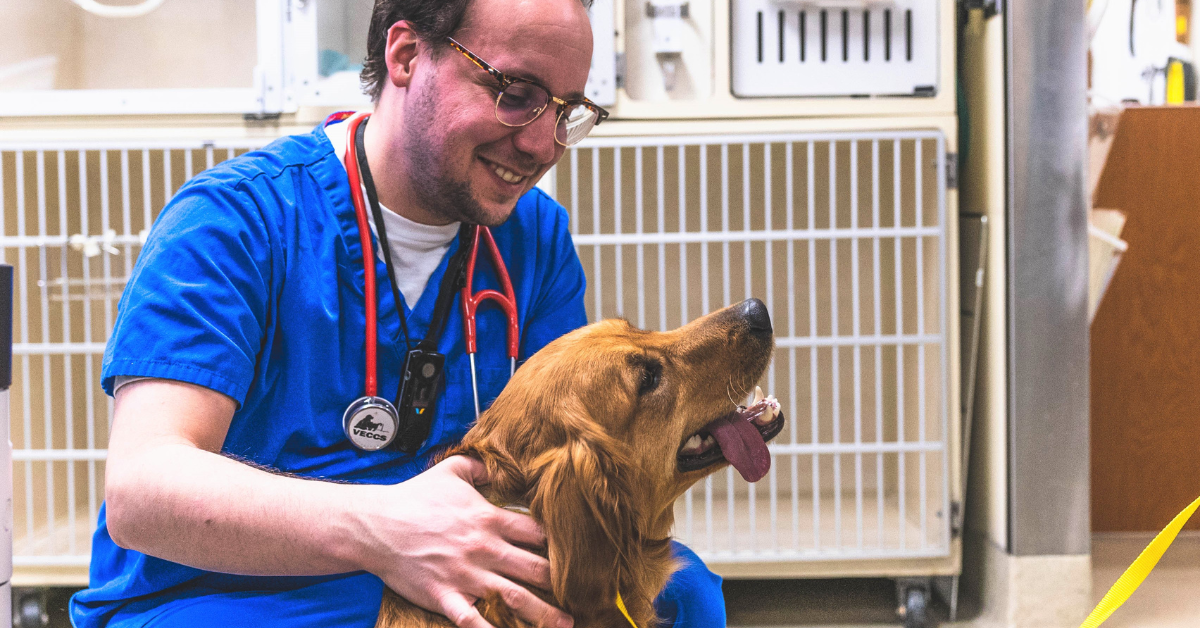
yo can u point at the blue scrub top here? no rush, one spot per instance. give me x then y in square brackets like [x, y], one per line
[251, 284]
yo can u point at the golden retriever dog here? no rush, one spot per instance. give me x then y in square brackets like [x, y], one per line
[598, 434]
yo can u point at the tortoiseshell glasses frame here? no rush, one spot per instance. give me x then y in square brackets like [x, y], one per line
[521, 101]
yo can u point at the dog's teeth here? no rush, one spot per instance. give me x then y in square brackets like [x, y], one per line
[693, 444]
[774, 403]
[758, 395]
[766, 411]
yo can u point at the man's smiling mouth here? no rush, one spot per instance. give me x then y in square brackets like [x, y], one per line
[504, 173]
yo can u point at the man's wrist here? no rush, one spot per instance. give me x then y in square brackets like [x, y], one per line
[346, 531]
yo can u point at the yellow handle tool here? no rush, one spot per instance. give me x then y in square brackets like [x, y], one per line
[1176, 89]
[1137, 572]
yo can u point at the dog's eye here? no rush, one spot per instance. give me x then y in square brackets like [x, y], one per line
[651, 376]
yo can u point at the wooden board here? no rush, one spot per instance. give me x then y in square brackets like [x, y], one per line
[1145, 363]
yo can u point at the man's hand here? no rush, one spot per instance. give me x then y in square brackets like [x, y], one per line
[438, 543]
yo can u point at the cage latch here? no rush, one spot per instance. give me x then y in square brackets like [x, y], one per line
[951, 171]
[956, 519]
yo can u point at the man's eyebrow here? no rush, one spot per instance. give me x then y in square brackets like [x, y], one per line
[535, 79]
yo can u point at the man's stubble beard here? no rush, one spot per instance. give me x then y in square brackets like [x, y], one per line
[437, 191]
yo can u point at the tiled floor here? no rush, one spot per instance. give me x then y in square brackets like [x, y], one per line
[1170, 597]
[812, 604]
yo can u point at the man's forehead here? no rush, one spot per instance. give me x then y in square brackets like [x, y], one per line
[497, 13]
[529, 38]
[564, 20]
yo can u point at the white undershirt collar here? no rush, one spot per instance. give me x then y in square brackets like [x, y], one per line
[417, 249]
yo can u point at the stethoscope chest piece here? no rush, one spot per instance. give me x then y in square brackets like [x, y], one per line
[370, 423]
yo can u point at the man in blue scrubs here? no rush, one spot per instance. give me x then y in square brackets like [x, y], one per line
[241, 339]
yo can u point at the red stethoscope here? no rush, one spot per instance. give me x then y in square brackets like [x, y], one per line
[471, 301]
[372, 422]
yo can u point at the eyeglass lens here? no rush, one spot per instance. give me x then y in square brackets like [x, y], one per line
[521, 103]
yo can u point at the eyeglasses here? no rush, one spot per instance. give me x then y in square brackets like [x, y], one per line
[520, 101]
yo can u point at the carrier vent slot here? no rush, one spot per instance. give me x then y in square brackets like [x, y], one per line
[887, 35]
[824, 35]
[908, 26]
[760, 37]
[845, 35]
[866, 35]
[803, 34]
[781, 23]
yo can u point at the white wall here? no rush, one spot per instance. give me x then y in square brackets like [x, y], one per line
[343, 26]
[1117, 74]
[36, 29]
[217, 48]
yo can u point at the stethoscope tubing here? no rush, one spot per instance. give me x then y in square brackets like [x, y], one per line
[368, 251]
[506, 300]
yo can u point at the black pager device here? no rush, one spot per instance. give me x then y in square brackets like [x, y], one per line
[419, 388]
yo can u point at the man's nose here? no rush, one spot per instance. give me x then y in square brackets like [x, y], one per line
[536, 139]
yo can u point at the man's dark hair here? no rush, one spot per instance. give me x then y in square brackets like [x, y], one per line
[433, 20]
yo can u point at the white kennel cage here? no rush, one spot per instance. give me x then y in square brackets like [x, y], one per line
[849, 237]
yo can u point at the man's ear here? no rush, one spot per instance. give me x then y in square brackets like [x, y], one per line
[401, 53]
[583, 495]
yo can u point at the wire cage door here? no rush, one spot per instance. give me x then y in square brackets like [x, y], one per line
[844, 237]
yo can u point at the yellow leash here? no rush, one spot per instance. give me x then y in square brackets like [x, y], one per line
[625, 611]
[1137, 572]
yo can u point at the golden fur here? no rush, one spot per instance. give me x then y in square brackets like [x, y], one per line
[582, 438]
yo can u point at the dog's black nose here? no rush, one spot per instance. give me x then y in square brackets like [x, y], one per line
[754, 312]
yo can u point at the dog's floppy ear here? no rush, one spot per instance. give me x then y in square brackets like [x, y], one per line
[582, 492]
[506, 480]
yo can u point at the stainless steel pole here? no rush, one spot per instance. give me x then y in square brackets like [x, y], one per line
[1049, 425]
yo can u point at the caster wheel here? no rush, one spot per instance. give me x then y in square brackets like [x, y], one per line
[30, 612]
[916, 609]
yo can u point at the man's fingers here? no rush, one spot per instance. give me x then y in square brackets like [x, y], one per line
[526, 567]
[462, 612]
[530, 607]
[519, 529]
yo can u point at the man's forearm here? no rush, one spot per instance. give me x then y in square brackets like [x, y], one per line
[201, 509]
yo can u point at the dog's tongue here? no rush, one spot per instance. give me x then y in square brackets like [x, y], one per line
[742, 445]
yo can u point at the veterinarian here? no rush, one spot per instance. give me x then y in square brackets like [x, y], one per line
[240, 344]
